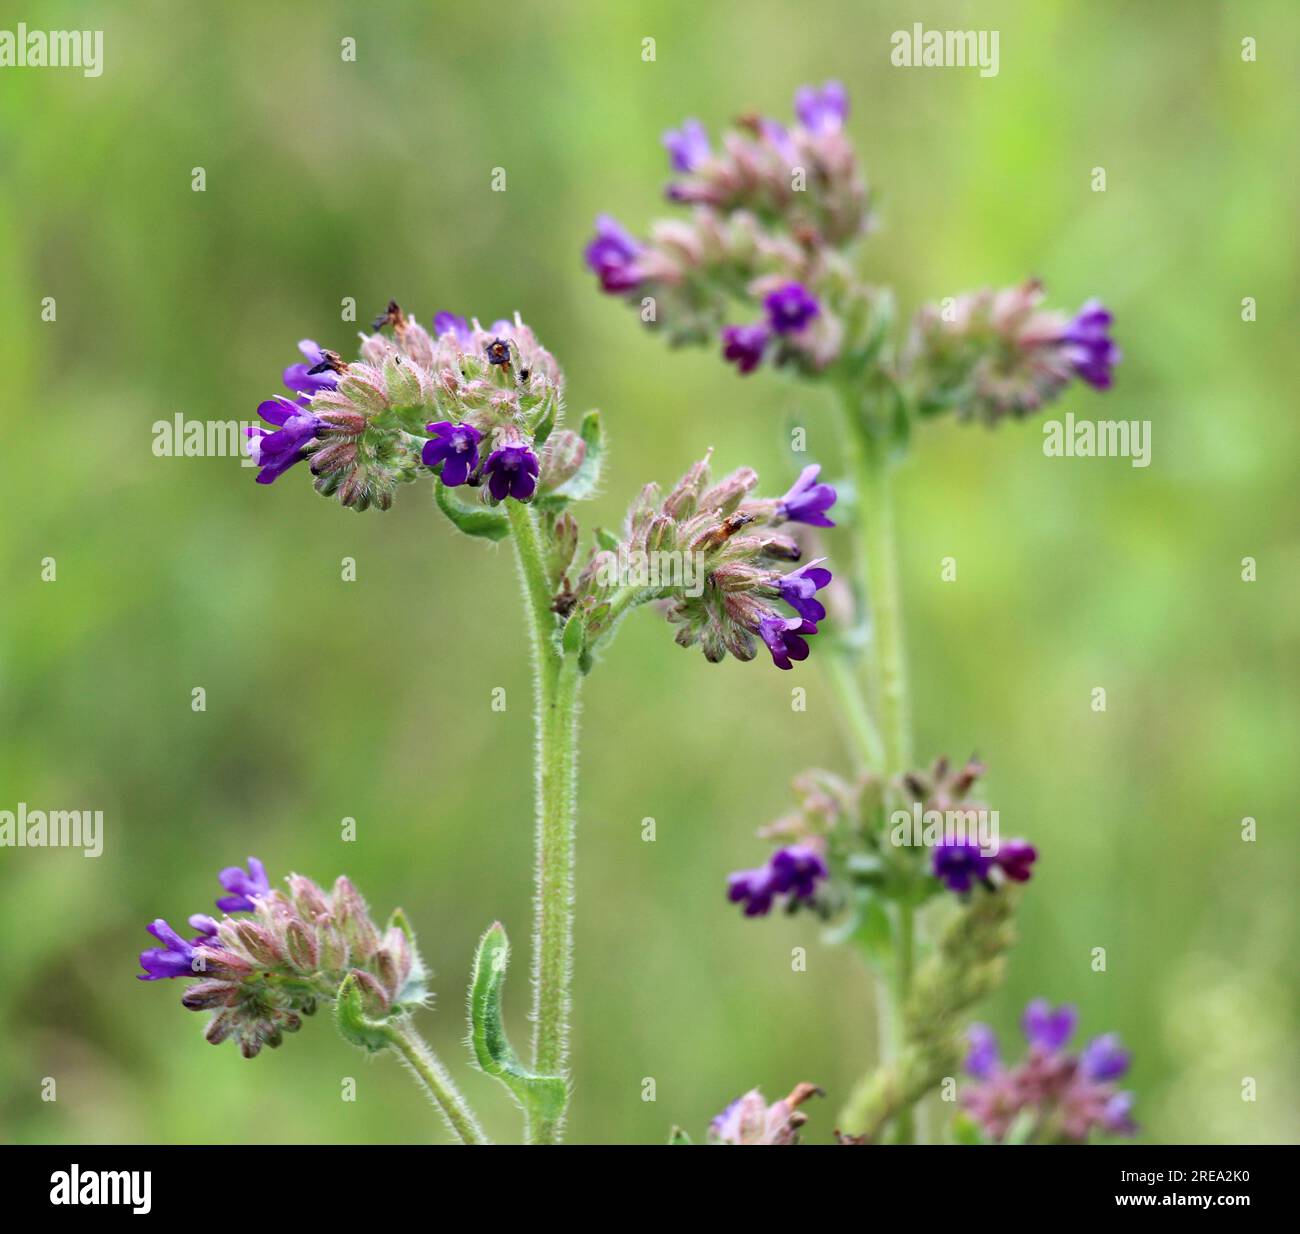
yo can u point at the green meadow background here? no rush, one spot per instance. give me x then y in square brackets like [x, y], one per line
[371, 699]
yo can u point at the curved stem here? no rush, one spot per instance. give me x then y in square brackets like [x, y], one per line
[556, 685]
[411, 1048]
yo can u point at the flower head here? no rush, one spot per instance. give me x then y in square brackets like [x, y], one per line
[824, 110]
[790, 308]
[807, 501]
[455, 447]
[612, 256]
[511, 471]
[688, 146]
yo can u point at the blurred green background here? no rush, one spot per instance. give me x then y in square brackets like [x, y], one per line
[371, 699]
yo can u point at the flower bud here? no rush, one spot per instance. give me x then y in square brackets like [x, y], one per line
[300, 942]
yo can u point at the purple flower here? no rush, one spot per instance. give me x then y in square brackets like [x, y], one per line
[455, 446]
[793, 871]
[511, 472]
[778, 137]
[1117, 1118]
[960, 864]
[243, 887]
[612, 255]
[1046, 1028]
[743, 346]
[824, 110]
[1015, 858]
[807, 501]
[783, 636]
[688, 146]
[205, 925]
[298, 377]
[175, 958]
[1089, 347]
[790, 308]
[1104, 1059]
[276, 452]
[452, 323]
[799, 589]
[982, 1060]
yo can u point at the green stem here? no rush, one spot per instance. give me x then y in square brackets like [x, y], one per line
[557, 680]
[410, 1046]
[870, 464]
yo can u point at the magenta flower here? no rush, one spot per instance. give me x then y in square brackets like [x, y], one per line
[511, 471]
[790, 308]
[807, 501]
[1089, 346]
[275, 452]
[612, 255]
[244, 887]
[743, 346]
[1015, 859]
[688, 146]
[455, 446]
[824, 110]
[300, 378]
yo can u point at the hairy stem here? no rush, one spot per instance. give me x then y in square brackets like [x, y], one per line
[556, 682]
[422, 1061]
[887, 673]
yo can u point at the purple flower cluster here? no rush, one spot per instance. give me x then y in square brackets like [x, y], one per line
[792, 872]
[960, 863]
[177, 957]
[1054, 1096]
[790, 310]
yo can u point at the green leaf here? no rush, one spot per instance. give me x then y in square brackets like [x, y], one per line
[353, 1022]
[574, 635]
[584, 482]
[472, 520]
[542, 1097]
[607, 539]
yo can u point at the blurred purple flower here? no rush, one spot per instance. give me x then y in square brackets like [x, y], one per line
[1089, 345]
[743, 346]
[1104, 1059]
[793, 871]
[454, 324]
[1048, 1029]
[790, 308]
[959, 864]
[1015, 858]
[982, 1060]
[824, 110]
[612, 255]
[688, 146]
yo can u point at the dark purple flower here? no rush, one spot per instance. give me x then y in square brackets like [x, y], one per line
[960, 864]
[807, 501]
[612, 255]
[790, 308]
[688, 146]
[243, 886]
[1089, 347]
[824, 110]
[297, 377]
[799, 589]
[455, 446]
[743, 346]
[175, 958]
[1118, 1117]
[511, 472]
[794, 871]
[982, 1060]
[1046, 1028]
[783, 636]
[1015, 858]
[452, 323]
[276, 452]
[1104, 1059]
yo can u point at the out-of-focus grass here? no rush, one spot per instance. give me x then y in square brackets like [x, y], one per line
[370, 700]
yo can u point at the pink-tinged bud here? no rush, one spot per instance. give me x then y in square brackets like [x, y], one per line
[354, 920]
[220, 1027]
[332, 946]
[661, 535]
[562, 456]
[729, 492]
[300, 942]
[781, 547]
[393, 961]
[349, 422]
[334, 457]
[374, 999]
[309, 899]
[365, 387]
[681, 503]
[208, 995]
[259, 943]
[221, 963]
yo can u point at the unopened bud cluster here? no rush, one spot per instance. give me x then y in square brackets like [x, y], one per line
[275, 956]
